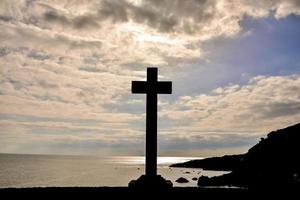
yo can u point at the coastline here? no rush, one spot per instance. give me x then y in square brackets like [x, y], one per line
[273, 162]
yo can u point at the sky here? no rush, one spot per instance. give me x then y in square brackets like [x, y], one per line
[66, 68]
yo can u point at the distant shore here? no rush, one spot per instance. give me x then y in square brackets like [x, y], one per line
[224, 163]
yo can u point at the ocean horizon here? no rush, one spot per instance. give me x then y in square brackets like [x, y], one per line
[35, 170]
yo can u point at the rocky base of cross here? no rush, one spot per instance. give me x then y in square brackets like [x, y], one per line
[150, 182]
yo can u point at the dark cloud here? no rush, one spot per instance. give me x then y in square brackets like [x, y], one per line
[54, 16]
[152, 13]
[170, 15]
[115, 10]
[48, 97]
[91, 69]
[189, 17]
[85, 21]
[205, 143]
[82, 21]
[153, 18]
[163, 15]
[38, 55]
[32, 118]
[4, 51]
[42, 40]
[277, 109]
[31, 53]
[16, 84]
[5, 18]
[93, 59]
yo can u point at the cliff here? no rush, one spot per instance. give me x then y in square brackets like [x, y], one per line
[274, 161]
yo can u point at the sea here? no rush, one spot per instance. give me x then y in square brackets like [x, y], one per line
[21, 170]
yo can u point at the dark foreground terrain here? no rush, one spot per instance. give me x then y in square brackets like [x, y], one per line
[129, 193]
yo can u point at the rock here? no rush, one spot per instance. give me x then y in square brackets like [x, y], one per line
[203, 181]
[187, 172]
[150, 182]
[195, 178]
[182, 180]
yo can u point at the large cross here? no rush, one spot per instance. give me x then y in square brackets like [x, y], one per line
[151, 88]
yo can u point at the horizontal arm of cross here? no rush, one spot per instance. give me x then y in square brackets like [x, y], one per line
[164, 87]
[139, 87]
[142, 87]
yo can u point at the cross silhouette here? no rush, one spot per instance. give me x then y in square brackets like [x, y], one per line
[151, 88]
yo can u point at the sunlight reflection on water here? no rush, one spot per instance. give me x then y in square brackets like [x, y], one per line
[140, 160]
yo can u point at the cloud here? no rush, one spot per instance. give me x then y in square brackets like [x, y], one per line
[5, 18]
[145, 31]
[66, 68]
[284, 8]
[58, 138]
[262, 105]
[78, 22]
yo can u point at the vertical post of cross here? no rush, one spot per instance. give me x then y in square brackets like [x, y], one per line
[151, 123]
[151, 88]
